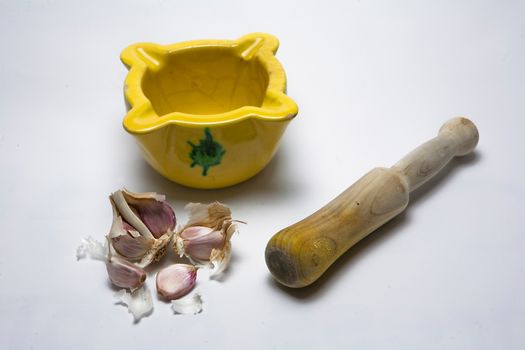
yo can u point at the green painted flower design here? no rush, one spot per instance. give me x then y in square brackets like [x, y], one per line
[207, 153]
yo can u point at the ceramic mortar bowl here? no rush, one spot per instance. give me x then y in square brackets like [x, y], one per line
[207, 113]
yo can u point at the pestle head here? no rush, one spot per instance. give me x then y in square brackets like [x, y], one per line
[465, 133]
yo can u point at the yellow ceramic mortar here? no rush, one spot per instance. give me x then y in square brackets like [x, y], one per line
[207, 113]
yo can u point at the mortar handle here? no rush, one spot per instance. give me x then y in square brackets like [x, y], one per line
[457, 137]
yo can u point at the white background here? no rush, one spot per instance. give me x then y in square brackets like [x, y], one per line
[373, 79]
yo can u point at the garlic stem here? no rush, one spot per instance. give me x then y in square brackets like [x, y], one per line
[129, 215]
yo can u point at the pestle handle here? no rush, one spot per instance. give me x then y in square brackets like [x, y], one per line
[299, 254]
[457, 137]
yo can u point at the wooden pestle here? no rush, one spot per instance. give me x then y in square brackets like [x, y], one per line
[299, 254]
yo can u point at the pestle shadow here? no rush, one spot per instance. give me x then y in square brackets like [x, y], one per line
[380, 236]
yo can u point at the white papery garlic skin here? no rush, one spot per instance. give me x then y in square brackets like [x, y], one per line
[205, 239]
[90, 247]
[139, 302]
[175, 281]
[220, 259]
[188, 305]
[210, 226]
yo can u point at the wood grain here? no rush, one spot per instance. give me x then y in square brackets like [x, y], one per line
[299, 254]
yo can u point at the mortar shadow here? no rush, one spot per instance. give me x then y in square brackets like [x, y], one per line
[271, 182]
[380, 236]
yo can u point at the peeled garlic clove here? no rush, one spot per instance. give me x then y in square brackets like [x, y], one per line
[125, 274]
[198, 242]
[132, 247]
[175, 281]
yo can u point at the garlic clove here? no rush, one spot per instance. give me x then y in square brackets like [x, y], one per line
[128, 214]
[130, 247]
[198, 242]
[130, 229]
[125, 239]
[201, 233]
[195, 232]
[175, 281]
[147, 212]
[124, 274]
[154, 212]
[142, 227]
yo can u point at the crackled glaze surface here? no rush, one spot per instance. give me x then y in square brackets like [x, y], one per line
[205, 81]
[232, 93]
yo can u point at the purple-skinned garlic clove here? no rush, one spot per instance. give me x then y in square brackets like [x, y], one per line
[175, 281]
[205, 239]
[199, 241]
[153, 211]
[130, 247]
[124, 274]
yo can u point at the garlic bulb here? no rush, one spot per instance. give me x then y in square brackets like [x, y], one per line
[175, 281]
[205, 239]
[143, 225]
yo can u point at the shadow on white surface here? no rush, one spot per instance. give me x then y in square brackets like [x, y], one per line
[380, 236]
[271, 181]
